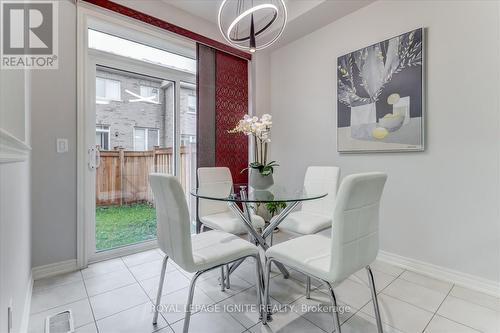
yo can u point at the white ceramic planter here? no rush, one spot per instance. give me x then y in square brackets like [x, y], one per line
[260, 182]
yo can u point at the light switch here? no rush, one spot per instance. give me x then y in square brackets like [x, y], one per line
[62, 145]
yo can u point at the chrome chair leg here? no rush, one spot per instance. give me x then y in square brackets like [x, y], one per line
[267, 301]
[258, 271]
[222, 279]
[228, 281]
[336, 320]
[190, 301]
[374, 299]
[160, 289]
[308, 287]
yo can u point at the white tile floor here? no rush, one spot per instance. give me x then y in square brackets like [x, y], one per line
[116, 296]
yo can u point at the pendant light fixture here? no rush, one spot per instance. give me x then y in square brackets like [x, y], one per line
[252, 25]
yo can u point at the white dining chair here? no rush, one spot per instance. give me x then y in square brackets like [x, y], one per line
[315, 215]
[193, 253]
[216, 215]
[354, 241]
[217, 181]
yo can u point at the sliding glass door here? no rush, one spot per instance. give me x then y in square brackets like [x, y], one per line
[143, 120]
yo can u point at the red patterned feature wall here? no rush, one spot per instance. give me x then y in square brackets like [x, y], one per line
[231, 104]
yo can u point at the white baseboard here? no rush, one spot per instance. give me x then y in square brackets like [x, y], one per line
[462, 279]
[27, 306]
[54, 269]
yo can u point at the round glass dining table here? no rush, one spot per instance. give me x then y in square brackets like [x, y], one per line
[246, 197]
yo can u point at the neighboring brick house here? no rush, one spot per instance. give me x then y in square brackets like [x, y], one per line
[135, 112]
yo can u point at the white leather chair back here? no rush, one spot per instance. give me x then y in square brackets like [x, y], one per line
[321, 179]
[172, 218]
[355, 238]
[214, 181]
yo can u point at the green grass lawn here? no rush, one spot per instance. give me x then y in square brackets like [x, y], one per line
[124, 225]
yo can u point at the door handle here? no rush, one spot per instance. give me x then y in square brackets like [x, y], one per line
[97, 157]
[92, 158]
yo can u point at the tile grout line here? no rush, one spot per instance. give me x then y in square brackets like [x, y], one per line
[214, 302]
[227, 298]
[90, 304]
[60, 305]
[142, 288]
[397, 277]
[379, 293]
[475, 303]
[416, 306]
[434, 314]
[449, 295]
[357, 282]
[420, 285]
[233, 316]
[303, 315]
[120, 310]
[472, 328]
[404, 301]
[428, 277]
[113, 288]
[45, 289]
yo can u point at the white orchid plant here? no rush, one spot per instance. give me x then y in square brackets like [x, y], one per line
[260, 130]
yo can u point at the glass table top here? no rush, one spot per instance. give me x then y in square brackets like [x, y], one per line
[245, 193]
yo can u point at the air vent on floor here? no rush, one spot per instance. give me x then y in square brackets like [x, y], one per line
[61, 322]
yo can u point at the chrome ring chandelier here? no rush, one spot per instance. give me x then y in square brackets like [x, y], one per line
[252, 25]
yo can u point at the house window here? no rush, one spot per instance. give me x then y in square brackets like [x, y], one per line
[102, 138]
[192, 104]
[146, 138]
[150, 94]
[107, 89]
[187, 139]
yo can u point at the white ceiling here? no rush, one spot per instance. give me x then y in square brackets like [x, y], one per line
[304, 16]
[208, 9]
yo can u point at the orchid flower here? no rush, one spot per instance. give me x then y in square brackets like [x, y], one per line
[260, 130]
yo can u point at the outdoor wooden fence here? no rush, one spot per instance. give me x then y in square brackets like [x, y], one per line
[122, 177]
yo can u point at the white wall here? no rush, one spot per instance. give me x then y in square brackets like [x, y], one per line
[440, 206]
[54, 175]
[11, 100]
[15, 241]
[261, 72]
[15, 212]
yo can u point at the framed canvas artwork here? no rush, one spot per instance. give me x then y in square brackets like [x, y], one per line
[380, 102]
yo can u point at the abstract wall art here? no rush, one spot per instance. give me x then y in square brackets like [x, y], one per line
[380, 102]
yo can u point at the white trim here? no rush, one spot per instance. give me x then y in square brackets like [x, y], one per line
[12, 149]
[124, 251]
[82, 59]
[56, 268]
[462, 279]
[27, 305]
